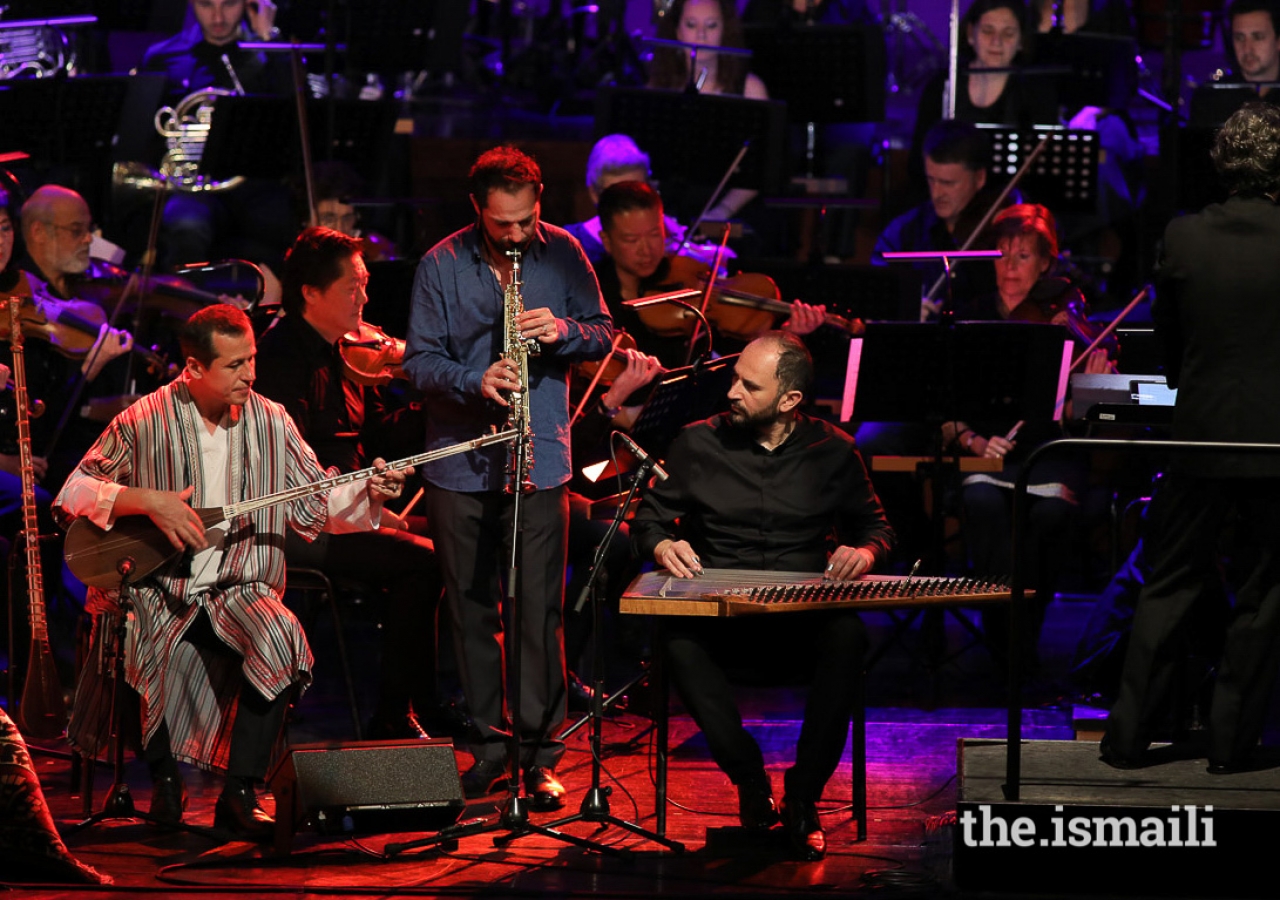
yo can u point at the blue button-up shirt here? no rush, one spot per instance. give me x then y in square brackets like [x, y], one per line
[455, 334]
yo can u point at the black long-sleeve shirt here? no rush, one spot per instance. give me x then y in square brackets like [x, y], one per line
[741, 506]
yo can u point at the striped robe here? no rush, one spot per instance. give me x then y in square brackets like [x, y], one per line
[154, 444]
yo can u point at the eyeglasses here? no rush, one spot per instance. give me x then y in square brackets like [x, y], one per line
[77, 230]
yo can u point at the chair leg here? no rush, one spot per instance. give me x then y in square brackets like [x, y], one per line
[339, 636]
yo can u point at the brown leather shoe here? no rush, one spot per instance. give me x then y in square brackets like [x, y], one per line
[238, 813]
[544, 789]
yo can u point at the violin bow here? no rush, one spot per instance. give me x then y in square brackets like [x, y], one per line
[706, 295]
[586, 395]
[714, 198]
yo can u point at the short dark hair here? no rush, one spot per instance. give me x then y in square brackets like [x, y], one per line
[625, 196]
[795, 365]
[196, 334]
[314, 260]
[953, 141]
[1243, 7]
[979, 8]
[503, 168]
[1246, 152]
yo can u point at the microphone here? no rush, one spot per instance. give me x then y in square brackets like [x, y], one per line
[638, 452]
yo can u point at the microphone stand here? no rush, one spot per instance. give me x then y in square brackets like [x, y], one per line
[119, 802]
[595, 805]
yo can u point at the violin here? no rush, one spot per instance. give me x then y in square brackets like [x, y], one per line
[69, 326]
[371, 357]
[105, 282]
[1056, 301]
[738, 321]
[613, 364]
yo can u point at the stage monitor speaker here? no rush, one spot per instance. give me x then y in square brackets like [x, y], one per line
[369, 787]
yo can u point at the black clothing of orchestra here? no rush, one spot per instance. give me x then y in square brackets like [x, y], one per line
[670, 350]
[1217, 319]
[191, 63]
[347, 425]
[742, 506]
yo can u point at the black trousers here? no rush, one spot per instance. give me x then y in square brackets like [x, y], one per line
[472, 533]
[833, 642]
[405, 565]
[1184, 524]
[258, 723]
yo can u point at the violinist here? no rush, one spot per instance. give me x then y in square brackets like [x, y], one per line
[633, 231]
[300, 365]
[58, 230]
[956, 155]
[1027, 289]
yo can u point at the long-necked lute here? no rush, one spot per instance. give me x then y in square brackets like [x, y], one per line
[94, 554]
[43, 710]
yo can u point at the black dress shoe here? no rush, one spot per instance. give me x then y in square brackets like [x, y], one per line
[756, 810]
[238, 813]
[1109, 755]
[483, 777]
[544, 789]
[804, 831]
[168, 799]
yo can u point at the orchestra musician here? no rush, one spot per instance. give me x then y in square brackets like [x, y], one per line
[214, 656]
[1255, 43]
[956, 156]
[614, 158]
[1217, 278]
[633, 231]
[57, 229]
[300, 365]
[765, 487]
[253, 221]
[1029, 289]
[456, 332]
[714, 23]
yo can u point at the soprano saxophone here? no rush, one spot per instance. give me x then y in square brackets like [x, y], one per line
[518, 350]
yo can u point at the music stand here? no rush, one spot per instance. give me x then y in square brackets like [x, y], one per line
[1103, 70]
[697, 135]
[1064, 177]
[257, 136]
[390, 37]
[842, 77]
[64, 121]
[682, 396]
[906, 372]
[1214, 102]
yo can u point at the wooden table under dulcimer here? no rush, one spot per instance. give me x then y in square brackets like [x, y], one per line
[723, 593]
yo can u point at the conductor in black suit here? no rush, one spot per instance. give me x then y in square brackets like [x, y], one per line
[1218, 315]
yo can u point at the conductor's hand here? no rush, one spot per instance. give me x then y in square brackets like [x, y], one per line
[848, 562]
[541, 325]
[678, 558]
[805, 318]
[176, 519]
[386, 485]
[500, 379]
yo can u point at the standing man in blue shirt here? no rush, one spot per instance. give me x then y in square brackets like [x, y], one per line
[454, 356]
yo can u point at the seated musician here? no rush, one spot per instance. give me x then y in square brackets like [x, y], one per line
[57, 229]
[765, 487]
[614, 158]
[956, 156]
[253, 221]
[300, 366]
[1029, 288]
[334, 186]
[213, 654]
[1255, 43]
[633, 232]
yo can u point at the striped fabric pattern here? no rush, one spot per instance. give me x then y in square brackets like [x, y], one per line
[154, 444]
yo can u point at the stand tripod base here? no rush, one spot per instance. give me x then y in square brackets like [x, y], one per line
[119, 806]
[595, 808]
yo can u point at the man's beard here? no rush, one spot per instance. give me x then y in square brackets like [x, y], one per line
[763, 418]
